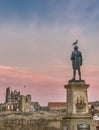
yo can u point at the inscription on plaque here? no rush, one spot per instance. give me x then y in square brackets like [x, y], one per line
[83, 127]
[65, 128]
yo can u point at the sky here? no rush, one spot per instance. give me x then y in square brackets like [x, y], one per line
[36, 39]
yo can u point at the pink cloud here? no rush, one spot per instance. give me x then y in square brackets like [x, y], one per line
[41, 88]
[47, 84]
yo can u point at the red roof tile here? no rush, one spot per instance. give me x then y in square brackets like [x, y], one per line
[53, 104]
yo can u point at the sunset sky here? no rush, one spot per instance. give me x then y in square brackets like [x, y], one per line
[36, 39]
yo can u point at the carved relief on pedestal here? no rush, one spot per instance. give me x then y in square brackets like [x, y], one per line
[80, 104]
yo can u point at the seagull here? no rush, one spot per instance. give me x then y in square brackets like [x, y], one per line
[75, 42]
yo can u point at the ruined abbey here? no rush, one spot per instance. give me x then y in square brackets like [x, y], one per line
[16, 102]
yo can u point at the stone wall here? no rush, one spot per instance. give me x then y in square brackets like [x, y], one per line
[30, 121]
[31, 124]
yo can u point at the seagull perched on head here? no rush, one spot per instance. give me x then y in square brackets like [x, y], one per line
[75, 42]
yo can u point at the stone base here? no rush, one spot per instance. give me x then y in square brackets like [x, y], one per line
[77, 99]
[76, 81]
[84, 122]
[77, 112]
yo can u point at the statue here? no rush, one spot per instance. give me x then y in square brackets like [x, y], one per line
[76, 58]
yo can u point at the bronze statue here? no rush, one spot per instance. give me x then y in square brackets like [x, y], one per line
[76, 58]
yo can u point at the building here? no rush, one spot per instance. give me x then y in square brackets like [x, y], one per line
[25, 103]
[35, 106]
[57, 106]
[16, 102]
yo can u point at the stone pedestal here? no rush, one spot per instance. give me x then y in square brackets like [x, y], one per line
[77, 112]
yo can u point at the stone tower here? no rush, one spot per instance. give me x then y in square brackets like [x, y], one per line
[8, 95]
[25, 103]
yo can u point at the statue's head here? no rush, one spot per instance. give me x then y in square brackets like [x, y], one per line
[75, 47]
